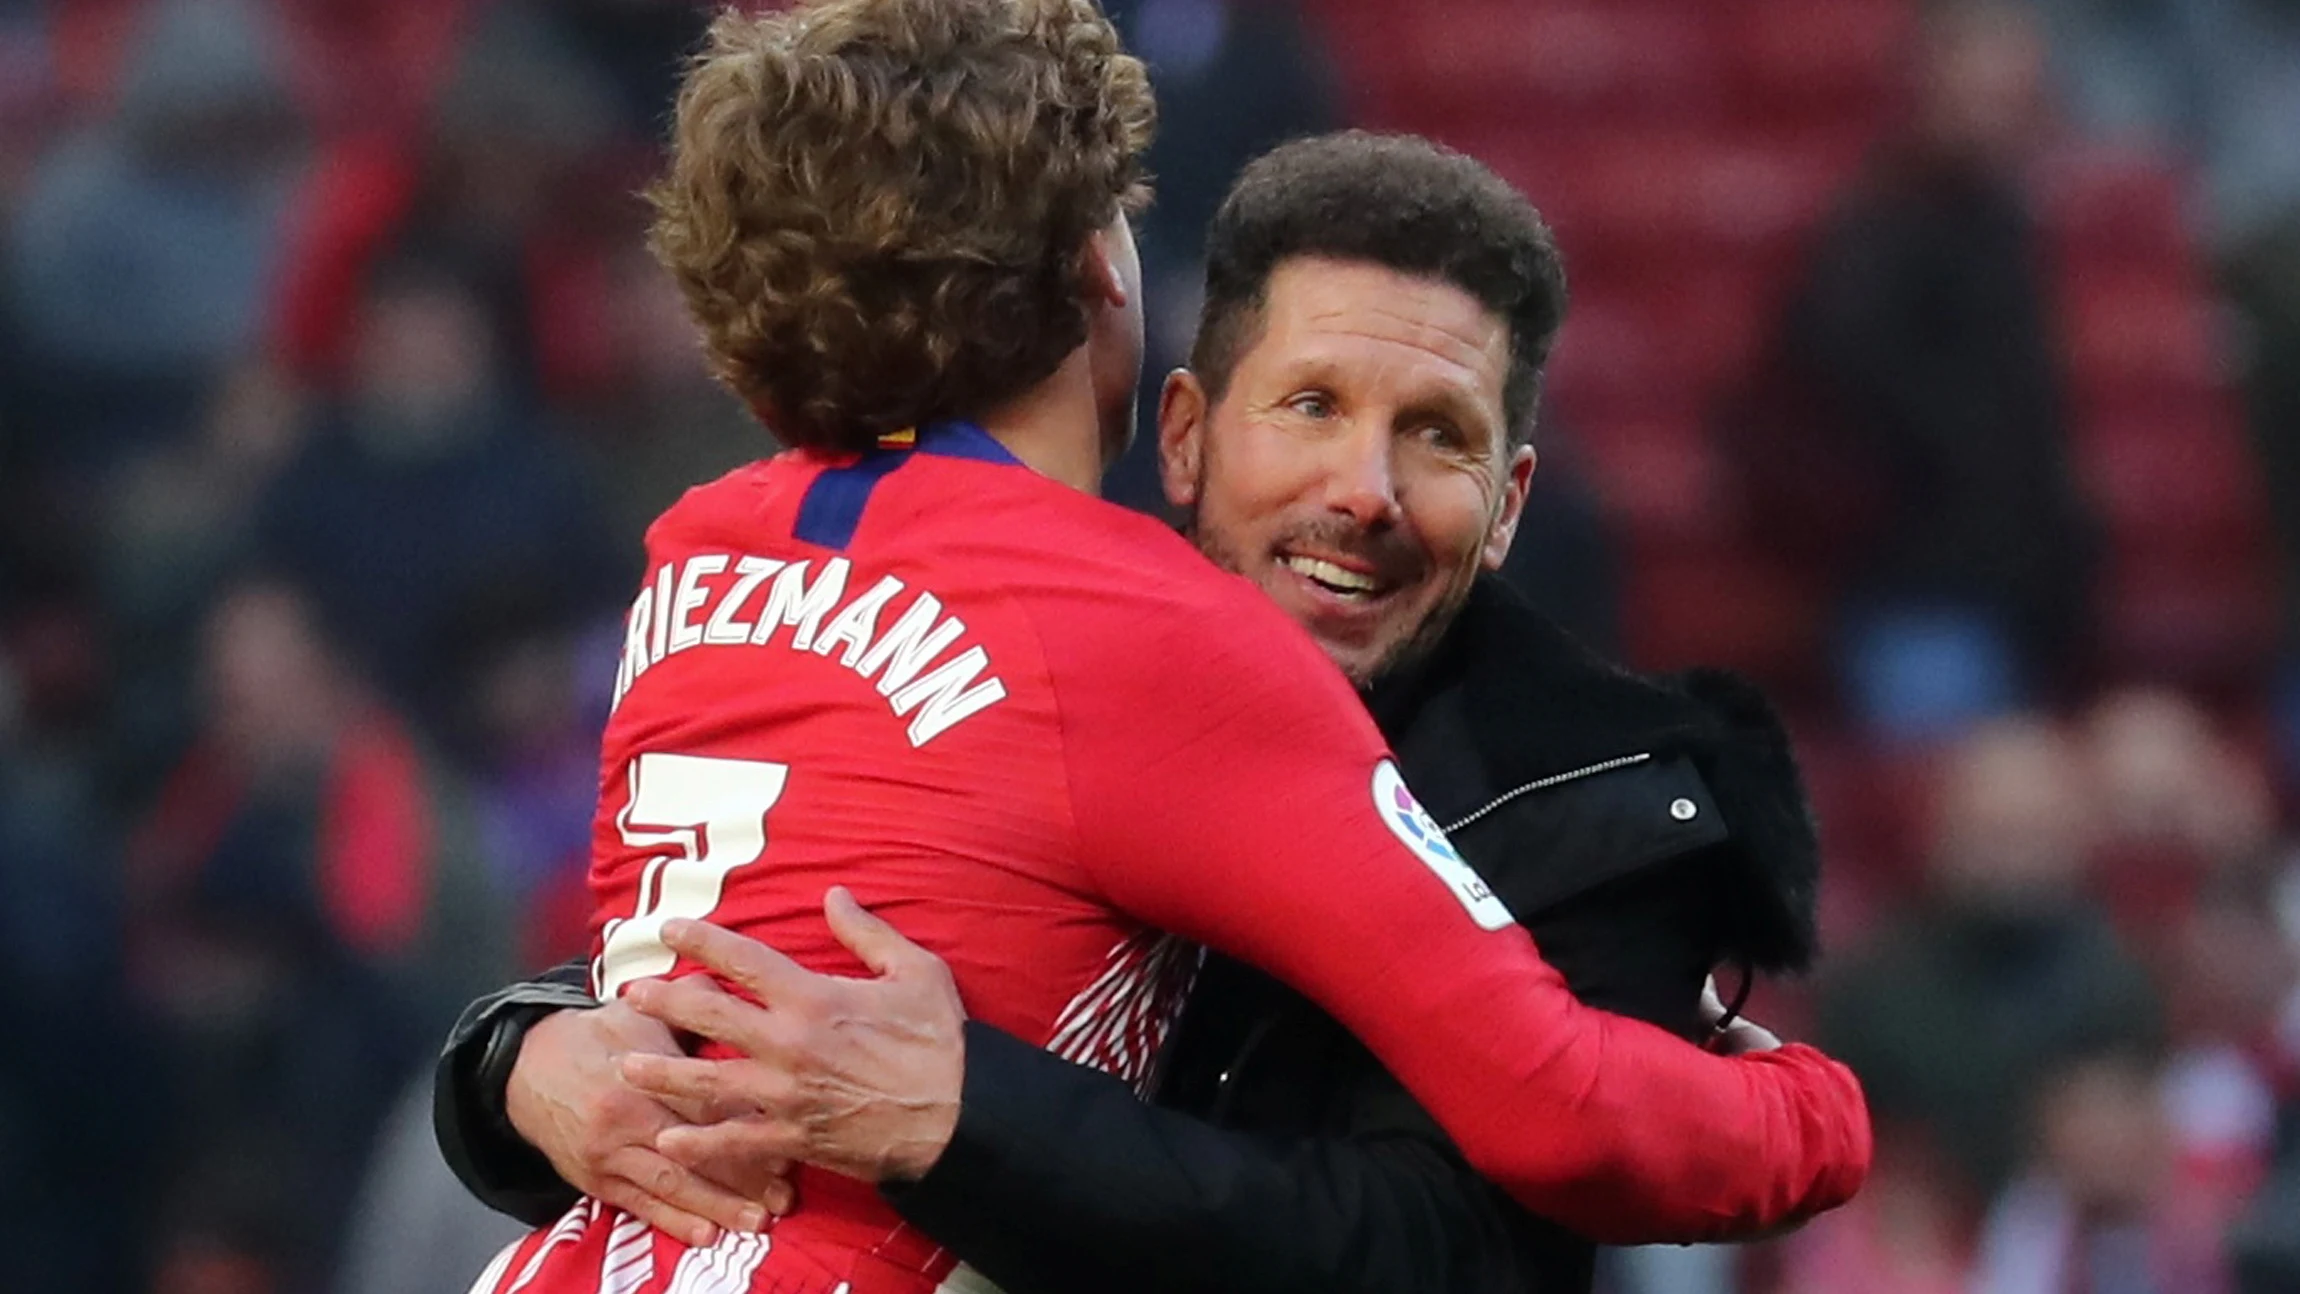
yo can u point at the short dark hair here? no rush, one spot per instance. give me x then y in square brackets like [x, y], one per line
[1397, 201]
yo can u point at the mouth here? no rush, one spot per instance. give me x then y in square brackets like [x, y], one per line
[1348, 582]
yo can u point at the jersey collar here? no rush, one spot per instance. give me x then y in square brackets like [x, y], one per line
[952, 438]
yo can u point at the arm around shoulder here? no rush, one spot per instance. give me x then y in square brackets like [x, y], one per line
[1060, 1179]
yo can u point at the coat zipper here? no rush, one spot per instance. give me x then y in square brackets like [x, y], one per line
[1544, 783]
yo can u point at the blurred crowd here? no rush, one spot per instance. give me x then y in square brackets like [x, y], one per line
[1951, 386]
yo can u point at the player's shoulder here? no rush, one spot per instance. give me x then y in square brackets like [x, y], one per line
[1155, 652]
[1133, 594]
[726, 510]
[1130, 563]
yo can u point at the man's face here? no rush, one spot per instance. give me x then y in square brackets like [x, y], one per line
[1358, 467]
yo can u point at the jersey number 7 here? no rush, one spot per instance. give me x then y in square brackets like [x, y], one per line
[702, 817]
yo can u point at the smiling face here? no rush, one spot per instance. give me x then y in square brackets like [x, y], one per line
[1358, 465]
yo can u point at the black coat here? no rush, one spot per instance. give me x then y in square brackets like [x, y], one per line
[1645, 831]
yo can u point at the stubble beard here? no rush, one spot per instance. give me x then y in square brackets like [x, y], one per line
[1408, 650]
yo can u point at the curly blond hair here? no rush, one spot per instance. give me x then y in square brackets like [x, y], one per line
[876, 208]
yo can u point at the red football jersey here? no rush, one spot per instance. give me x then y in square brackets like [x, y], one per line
[1035, 731]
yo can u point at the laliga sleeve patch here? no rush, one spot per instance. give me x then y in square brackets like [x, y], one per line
[1415, 829]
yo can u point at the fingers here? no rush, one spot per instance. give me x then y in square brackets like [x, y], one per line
[751, 1157]
[675, 1187]
[1712, 1006]
[697, 1112]
[1745, 1036]
[712, 1085]
[685, 1227]
[779, 1196]
[619, 1027]
[880, 946]
[767, 974]
[698, 1006]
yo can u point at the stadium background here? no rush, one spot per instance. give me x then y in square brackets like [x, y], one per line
[335, 392]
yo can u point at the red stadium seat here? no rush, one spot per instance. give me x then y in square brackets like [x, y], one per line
[1647, 349]
[2167, 484]
[2140, 333]
[1710, 320]
[1871, 804]
[1533, 66]
[1759, 194]
[2205, 624]
[1633, 197]
[1806, 60]
[1711, 605]
[2107, 207]
[1658, 474]
[1607, 359]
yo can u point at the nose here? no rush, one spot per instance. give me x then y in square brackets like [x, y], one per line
[1362, 479]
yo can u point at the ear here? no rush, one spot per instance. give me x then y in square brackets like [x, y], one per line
[1516, 478]
[1181, 436]
[1100, 283]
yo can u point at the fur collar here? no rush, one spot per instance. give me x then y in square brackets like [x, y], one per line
[1538, 703]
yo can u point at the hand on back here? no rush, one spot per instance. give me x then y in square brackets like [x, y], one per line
[859, 1076]
[568, 1098]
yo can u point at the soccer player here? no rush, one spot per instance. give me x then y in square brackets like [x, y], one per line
[914, 655]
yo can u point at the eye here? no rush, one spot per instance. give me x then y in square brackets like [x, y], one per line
[1443, 435]
[1312, 404]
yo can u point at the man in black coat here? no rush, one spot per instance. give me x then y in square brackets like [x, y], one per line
[1353, 434]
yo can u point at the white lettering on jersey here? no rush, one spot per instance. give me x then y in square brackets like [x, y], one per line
[655, 648]
[857, 621]
[794, 602]
[635, 631]
[682, 608]
[901, 652]
[685, 632]
[1419, 832]
[724, 630]
[950, 694]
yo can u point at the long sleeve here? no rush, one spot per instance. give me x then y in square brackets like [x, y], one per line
[468, 1115]
[1250, 806]
[1059, 1180]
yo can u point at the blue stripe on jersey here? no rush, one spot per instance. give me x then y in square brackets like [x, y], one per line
[965, 440]
[834, 503]
[833, 506]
